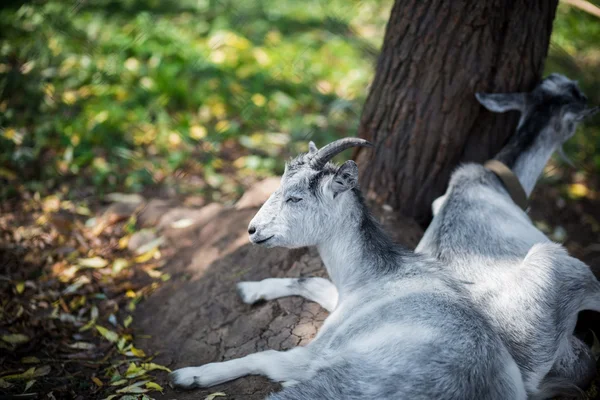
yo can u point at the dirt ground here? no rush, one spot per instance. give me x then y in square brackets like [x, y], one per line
[193, 316]
[200, 319]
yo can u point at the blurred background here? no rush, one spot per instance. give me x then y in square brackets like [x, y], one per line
[106, 104]
[204, 96]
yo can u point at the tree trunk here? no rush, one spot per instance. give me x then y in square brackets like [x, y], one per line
[421, 113]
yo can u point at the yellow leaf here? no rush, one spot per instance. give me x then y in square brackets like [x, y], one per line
[213, 395]
[146, 256]
[108, 334]
[20, 287]
[134, 371]
[197, 132]
[94, 262]
[15, 338]
[153, 366]
[97, 381]
[30, 360]
[134, 388]
[578, 190]
[154, 386]
[127, 321]
[119, 265]
[137, 352]
[119, 382]
[124, 241]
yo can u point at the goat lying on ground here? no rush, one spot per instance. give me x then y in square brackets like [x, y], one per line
[530, 288]
[401, 326]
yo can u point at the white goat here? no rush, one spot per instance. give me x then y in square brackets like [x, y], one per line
[401, 326]
[529, 288]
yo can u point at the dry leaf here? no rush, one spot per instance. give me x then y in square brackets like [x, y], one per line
[94, 262]
[97, 381]
[213, 395]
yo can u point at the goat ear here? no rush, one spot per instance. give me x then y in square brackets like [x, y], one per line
[502, 102]
[312, 147]
[345, 178]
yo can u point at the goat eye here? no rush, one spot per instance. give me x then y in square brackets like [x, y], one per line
[293, 199]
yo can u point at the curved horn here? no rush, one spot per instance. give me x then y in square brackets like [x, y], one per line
[326, 153]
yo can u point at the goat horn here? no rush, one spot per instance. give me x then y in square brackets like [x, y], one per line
[326, 153]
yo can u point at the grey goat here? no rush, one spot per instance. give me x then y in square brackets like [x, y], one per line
[529, 288]
[401, 325]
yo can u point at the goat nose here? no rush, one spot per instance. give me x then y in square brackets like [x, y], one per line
[251, 230]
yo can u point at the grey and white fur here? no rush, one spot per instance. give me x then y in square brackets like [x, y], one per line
[529, 288]
[401, 325]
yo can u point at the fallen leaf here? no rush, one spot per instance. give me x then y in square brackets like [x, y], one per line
[108, 334]
[124, 198]
[119, 265]
[133, 371]
[134, 388]
[137, 352]
[82, 346]
[94, 262]
[119, 382]
[30, 360]
[42, 371]
[25, 375]
[97, 381]
[154, 386]
[182, 223]
[127, 321]
[28, 385]
[578, 190]
[15, 338]
[20, 287]
[153, 366]
[147, 255]
[213, 395]
[4, 384]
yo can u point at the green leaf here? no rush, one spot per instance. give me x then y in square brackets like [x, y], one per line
[154, 386]
[15, 338]
[153, 366]
[108, 334]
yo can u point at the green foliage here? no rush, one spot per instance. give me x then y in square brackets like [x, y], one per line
[205, 95]
[130, 93]
[574, 51]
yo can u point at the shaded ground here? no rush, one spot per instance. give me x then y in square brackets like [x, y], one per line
[201, 319]
[174, 303]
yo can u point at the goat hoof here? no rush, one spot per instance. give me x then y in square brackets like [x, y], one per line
[249, 292]
[186, 378]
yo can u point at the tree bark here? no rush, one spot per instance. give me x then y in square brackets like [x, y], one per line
[421, 112]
